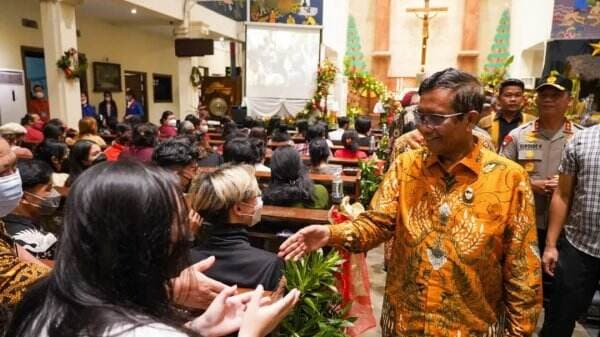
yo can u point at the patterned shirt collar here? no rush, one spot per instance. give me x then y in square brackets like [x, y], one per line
[472, 161]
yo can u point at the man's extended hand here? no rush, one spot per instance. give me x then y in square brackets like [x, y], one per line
[192, 289]
[306, 240]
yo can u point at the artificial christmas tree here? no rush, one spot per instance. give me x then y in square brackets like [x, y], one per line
[499, 51]
[354, 59]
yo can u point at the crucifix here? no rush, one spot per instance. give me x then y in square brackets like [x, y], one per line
[426, 13]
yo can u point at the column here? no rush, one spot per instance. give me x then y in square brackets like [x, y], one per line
[469, 55]
[59, 32]
[381, 49]
[188, 94]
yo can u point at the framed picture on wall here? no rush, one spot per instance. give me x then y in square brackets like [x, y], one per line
[107, 77]
[163, 88]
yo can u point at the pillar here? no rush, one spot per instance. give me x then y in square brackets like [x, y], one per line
[59, 32]
[469, 55]
[188, 94]
[381, 45]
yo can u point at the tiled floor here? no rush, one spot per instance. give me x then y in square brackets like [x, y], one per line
[377, 279]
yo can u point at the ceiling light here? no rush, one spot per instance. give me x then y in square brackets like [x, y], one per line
[133, 11]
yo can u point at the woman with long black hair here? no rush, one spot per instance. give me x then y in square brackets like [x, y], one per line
[125, 236]
[290, 183]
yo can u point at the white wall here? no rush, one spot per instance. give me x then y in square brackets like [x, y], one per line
[531, 24]
[445, 31]
[335, 24]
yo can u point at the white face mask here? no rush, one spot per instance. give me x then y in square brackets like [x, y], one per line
[172, 122]
[204, 128]
[255, 218]
[11, 191]
[39, 94]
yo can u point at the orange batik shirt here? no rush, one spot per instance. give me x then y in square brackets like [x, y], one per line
[465, 260]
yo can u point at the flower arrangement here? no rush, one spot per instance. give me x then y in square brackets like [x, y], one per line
[325, 78]
[73, 64]
[371, 174]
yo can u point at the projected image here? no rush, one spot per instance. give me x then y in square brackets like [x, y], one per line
[281, 63]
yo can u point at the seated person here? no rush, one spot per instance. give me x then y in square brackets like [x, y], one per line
[145, 137]
[54, 132]
[316, 131]
[290, 183]
[14, 133]
[83, 155]
[343, 124]
[229, 201]
[281, 136]
[177, 156]
[207, 156]
[40, 199]
[88, 129]
[120, 143]
[168, 126]
[319, 154]
[350, 150]
[363, 127]
[18, 271]
[240, 151]
[34, 126]
[260, 152]
[113, 274]
[55, 154]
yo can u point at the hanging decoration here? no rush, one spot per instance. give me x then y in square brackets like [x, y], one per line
[196, 77]
[73, 64]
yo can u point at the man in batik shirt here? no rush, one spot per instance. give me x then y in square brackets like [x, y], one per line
[465, 260]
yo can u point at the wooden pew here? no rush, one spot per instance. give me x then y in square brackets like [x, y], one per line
[341, 147]
[216, 142]
[345, 162]
[277, 221]
[351, 183]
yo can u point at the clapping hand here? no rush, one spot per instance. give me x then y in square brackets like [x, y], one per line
[193, 289]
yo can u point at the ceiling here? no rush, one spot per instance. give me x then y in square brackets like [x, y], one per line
[119, 12]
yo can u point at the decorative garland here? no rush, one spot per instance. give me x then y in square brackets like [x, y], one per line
[73, 64]
[196, 77]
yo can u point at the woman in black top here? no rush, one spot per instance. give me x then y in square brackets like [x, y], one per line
[229, 201]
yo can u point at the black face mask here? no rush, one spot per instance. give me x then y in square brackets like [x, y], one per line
[100, 159]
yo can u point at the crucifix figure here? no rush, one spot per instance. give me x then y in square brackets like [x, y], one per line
[426, 13]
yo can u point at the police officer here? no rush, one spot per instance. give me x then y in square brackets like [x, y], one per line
[538, 146]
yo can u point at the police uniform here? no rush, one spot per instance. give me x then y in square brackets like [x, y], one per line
[539, 152]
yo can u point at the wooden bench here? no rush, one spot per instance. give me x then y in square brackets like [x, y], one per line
[276, 221]
[345, 162]
[351, 183]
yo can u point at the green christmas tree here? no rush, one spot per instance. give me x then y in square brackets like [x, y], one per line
[354, 59]
[499, 51]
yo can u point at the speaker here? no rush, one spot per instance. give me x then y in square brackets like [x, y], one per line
[194, 47]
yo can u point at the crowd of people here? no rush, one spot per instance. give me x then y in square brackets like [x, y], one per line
[123, 227]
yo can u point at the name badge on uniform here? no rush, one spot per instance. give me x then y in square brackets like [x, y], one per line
[529, 166]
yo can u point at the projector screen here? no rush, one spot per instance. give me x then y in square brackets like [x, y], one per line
[281, 61]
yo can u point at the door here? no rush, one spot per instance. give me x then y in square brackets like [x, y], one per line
[13, 103]
[136, 82]
[35, 70]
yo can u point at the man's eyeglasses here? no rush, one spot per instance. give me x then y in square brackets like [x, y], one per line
[433, 119]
